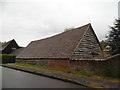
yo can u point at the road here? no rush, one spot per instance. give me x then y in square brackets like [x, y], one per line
[17, 79]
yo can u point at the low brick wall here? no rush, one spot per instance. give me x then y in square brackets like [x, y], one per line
[111, 64]
[92, 66]
[53, 63]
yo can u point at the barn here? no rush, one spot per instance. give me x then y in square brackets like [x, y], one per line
[62, 50]
[9, 47]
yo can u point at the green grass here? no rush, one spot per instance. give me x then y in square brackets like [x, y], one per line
[53, 68]
[103, 75]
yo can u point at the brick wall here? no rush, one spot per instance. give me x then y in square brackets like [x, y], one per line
[92, 66]
[53, 63]
[60, 63]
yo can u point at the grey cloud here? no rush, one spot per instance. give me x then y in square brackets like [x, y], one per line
[28, 20]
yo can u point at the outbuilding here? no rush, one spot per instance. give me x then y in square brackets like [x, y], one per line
[63, 49]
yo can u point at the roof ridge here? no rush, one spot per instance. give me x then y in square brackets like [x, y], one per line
[62, 32]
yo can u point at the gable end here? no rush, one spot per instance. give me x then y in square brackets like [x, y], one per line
[89, 47]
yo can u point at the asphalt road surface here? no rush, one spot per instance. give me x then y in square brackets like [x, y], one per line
[17, 79]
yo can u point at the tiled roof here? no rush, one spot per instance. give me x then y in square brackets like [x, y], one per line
[17, 51]
[59, 46]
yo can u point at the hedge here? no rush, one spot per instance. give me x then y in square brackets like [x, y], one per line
[8, 58]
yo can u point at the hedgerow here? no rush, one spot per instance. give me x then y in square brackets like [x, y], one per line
[8, 58]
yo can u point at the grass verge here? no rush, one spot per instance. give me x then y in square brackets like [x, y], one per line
[53, 68]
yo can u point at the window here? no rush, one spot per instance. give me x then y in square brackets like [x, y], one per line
[13, 48]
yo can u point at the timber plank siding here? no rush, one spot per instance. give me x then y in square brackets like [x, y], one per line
[88, 48]
[9, 47]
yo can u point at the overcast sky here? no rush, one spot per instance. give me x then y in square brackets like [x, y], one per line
[28, 20]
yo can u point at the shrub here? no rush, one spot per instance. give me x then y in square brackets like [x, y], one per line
[8, 58]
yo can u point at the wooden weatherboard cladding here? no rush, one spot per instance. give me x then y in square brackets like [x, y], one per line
[9, 47]
[89, 47]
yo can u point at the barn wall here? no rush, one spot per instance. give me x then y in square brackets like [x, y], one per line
[87, 46]
[111, 64]
[53, 63]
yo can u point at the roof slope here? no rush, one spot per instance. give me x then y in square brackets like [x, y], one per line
[5, 44]
[17, 51]
[59, 46]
